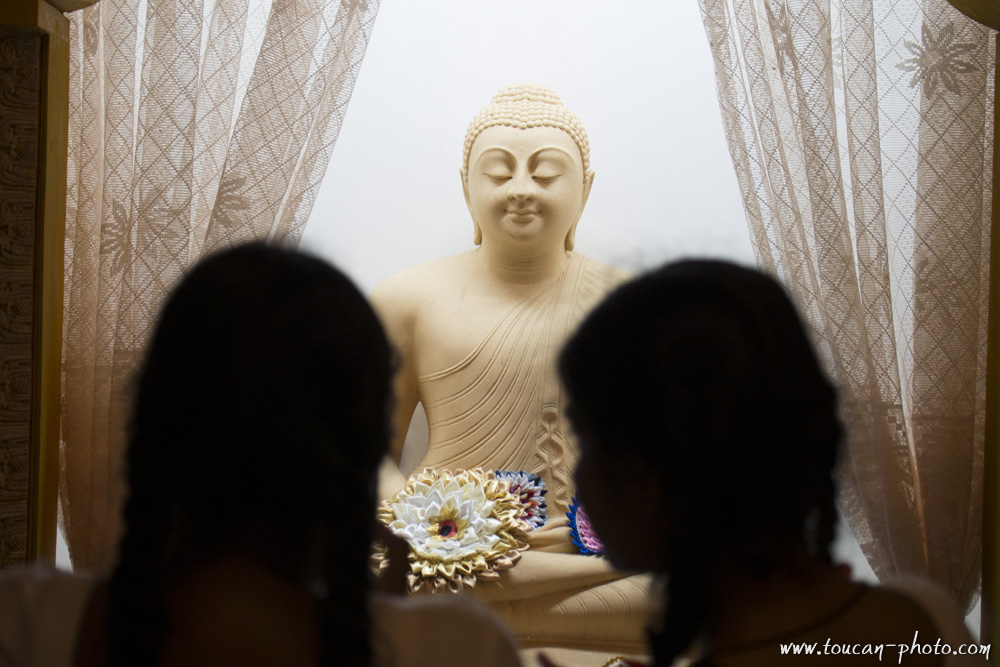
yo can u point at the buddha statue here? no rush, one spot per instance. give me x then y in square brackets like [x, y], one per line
[478, 335]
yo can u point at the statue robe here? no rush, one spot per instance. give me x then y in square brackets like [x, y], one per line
[501, 407]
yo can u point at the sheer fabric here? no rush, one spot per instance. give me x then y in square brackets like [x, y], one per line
[861, 132]
[194, 124]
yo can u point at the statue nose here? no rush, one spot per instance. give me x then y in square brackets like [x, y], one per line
[521, 188]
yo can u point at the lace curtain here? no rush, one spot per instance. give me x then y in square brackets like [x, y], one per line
[194, 124]
[861, 132]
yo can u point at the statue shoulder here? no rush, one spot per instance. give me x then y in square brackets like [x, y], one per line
[401, 294]
[605, 276]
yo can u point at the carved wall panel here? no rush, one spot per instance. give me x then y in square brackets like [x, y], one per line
[20, 133]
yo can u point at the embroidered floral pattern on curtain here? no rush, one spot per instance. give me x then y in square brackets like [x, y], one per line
[861, 133]
[194, 124]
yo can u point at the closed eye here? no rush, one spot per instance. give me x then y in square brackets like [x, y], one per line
[546, 178]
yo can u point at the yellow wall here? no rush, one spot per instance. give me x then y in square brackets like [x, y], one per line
[39, 18]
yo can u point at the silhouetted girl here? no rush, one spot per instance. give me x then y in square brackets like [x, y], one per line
[708, 436]
[259, 420]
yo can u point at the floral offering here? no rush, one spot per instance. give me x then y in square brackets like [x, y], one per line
[461, 527]
[530, 490]
[584, 537]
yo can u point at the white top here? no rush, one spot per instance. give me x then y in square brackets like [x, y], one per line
[943, 612]
[41, 609]
[40, 612]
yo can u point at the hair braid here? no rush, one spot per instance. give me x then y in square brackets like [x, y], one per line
[345, 622]
[137, 619]
[683, 616]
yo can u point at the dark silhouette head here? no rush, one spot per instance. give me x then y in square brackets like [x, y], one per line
[700, 404]
[258, 424]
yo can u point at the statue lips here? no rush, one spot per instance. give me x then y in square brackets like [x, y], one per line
[522, 216]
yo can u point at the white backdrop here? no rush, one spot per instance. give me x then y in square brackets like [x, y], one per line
[639, 75]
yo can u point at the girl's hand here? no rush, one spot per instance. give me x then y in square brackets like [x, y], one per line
[393, 578]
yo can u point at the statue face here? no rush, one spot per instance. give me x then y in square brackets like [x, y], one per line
[526, 186]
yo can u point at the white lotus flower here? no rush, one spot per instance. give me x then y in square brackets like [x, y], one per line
[460, 527]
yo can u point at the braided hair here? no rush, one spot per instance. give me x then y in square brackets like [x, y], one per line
[262, 402]
[703, 371]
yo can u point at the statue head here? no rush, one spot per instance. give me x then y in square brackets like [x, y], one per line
[540, 114]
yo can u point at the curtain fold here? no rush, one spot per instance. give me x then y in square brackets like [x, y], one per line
[861, 135]
[194, 125]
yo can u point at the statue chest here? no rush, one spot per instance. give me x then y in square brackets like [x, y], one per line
[468, 344]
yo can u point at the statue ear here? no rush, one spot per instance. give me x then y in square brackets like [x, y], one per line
[477, 234]
[588, 181]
